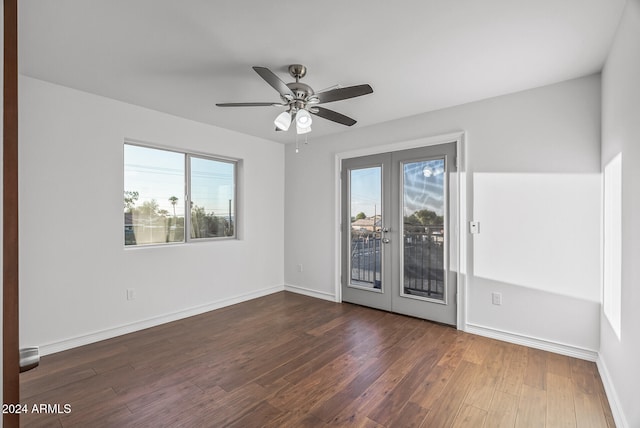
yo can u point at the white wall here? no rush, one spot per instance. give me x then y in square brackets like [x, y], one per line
[620, 130]
[74, 268]
[533, 158]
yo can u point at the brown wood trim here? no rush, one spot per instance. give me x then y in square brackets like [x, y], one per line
[10, 332]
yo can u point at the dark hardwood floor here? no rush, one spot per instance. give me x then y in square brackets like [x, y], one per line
[287, 360]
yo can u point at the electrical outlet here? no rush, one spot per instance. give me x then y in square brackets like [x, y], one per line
[496, 298]
[131, 293]
[299, 268]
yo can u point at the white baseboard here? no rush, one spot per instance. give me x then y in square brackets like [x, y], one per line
[532, 342]
[309, 292]
[612, 395]
[74, 342]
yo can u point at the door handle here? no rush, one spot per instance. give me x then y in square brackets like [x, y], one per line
[385, 240]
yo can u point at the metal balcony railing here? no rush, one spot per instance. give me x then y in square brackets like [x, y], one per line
[366, 260]
[423, 261]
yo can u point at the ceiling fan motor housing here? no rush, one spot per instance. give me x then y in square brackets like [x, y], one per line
[302, 95]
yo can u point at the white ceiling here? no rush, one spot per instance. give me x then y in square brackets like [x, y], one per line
[182, 57]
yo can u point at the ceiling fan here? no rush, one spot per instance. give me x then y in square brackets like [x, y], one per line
[300, 100]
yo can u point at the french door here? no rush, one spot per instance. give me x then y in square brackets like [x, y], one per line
[399, 232]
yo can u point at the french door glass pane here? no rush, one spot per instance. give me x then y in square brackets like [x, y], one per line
[424, 229]
[366, 219]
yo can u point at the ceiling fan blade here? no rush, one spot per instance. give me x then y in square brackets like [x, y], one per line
[334, 116]
[274, 81]
[250, 105]
[343, 93]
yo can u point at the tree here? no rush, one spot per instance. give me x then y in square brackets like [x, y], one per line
[429, 218]
[174, 201]
[360, 216]
[130, 199]
[149, 209]
[417, 221]
[208, 225]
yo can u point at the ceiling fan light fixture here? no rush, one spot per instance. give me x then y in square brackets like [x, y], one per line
[303, 130]
[283, 121]
[303, 120]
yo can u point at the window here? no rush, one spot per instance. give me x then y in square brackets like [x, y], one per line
[160, 184]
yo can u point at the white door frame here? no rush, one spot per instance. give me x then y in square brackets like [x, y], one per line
[460, 177]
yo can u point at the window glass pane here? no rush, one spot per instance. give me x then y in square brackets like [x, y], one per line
[153, 196]
[365, 202]
[212, 198]
[423, 204]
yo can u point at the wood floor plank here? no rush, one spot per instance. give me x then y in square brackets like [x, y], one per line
[258, 415]
[431, 387]
[353, 416]
[452, 349]
[39, 421]
[588, 408]
[229, 408]
[287, 360]
[418, 361]
[469, 417]
[188, 411]
[560, 403]
[307, 393]
[293, 419]
[455, 353]
[502, 411]
[559, 365]
[253, 368]
[71, 392]
[513, 377]
[43, 384]
[535, 373]
[605, 403]
[477, 350]
[411, 415]
[329, 409]
[445, 409]
[298, 359]
[532, 408]
[583, 374]
[492, 367]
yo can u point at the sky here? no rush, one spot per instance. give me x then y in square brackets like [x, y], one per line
[160, 174]
[366, 191]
